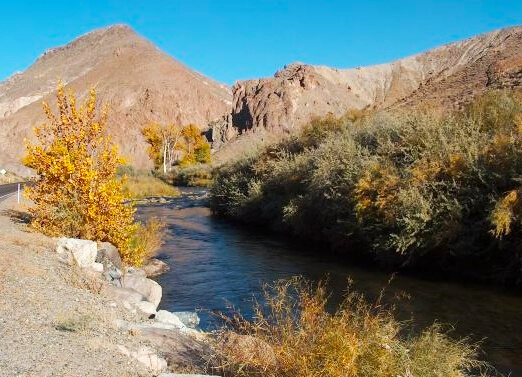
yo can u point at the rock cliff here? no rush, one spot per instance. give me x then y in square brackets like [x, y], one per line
[446, 76]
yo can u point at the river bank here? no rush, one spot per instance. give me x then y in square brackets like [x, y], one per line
[215, 263]
[58, 320]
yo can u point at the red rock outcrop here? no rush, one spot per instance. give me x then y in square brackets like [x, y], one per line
[446, 76]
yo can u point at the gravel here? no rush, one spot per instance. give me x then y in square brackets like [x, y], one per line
[51, 323]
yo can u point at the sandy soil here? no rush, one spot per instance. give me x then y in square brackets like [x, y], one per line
[52, 321]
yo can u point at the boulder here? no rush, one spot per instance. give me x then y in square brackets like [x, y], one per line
[81, 252]
[189, 319]
[147, 309]
[147, 357]
[112, 274]
[169, 318]
[155, 267]
[97, 267]
[152, 361]
[107, 252]
[147, 288]
[182, 350]
[128, 298]
[135, 271]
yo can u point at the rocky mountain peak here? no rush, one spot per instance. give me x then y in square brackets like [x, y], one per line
[139, 82]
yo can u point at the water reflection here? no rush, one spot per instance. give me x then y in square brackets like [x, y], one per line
[213, 261]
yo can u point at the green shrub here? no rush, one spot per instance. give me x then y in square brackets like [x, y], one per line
[407, 188]
[191, 175]
[202, 154]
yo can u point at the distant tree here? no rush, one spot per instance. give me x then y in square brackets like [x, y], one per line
[163, 142]
[167, 142]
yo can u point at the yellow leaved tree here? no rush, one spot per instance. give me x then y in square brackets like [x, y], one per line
[169, 143]
[163, 143]
[77, 193]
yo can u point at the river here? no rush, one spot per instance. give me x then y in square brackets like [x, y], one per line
[215, 263]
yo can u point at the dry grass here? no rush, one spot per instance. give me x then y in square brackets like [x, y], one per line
[146, 186]
[293, 335]
[148, 238]
[73, 322]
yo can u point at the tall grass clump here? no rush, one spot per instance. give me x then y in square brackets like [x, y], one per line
[146, 186]
[292, 334]
[406, 189]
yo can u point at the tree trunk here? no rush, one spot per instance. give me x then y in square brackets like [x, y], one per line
[165, 158]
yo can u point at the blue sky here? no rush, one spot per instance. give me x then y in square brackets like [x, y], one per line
[232, 40]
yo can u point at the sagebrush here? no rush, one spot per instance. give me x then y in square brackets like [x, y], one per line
[405, 188]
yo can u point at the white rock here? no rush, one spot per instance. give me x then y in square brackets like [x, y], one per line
[97, 266]
[164, 316]
[83, 252]
[128, 298]
[189, 319]
[152, 361]
[146, 308]
[149, 289]
[145, 356]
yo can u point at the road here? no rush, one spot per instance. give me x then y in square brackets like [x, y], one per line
[6, 190]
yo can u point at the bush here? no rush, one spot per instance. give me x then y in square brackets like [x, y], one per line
[297, 337]
[146, 241]
[405, 189]
[202, 153]
[77, 193]
[191, 175]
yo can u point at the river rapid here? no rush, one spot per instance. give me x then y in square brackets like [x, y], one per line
[215, 263]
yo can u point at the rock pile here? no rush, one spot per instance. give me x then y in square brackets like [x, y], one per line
[131, 288]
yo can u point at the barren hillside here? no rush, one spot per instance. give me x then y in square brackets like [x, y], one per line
[138, 81]
[446, 76]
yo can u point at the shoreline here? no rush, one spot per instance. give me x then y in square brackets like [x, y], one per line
[109, 330]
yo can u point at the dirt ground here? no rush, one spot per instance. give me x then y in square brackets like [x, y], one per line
[52, 320]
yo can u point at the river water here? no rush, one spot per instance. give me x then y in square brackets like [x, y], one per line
[215, 263]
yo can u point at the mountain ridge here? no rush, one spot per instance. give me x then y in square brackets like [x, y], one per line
[138, 81]
[446, 76]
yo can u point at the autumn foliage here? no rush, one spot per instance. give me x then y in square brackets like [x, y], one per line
[294, 334]
[77, 193]
[170, 144]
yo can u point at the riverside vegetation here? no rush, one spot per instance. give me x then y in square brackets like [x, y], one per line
[414, 190]
[143, 184]
[77, 193]
[181, 154]
[293, 334]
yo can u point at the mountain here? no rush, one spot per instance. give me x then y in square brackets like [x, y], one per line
[447, 76]
[139, 82]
